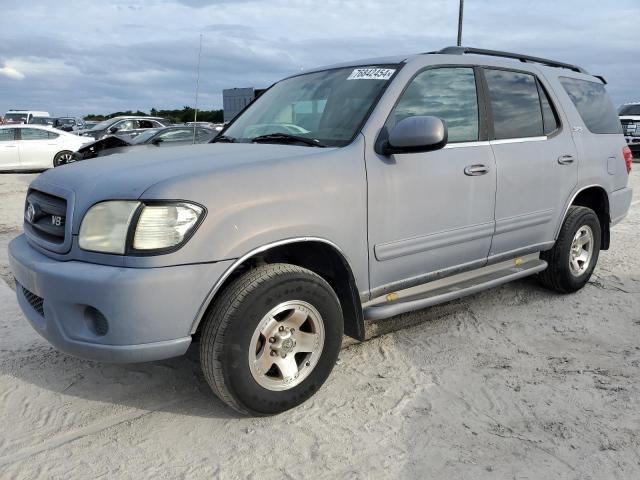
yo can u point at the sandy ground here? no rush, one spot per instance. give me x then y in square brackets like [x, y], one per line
[515, 383]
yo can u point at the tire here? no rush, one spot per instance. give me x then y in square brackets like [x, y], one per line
[63, 158]
[562, 274]
[235, 331]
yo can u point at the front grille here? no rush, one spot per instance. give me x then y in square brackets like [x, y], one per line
[631, 128]
[36, 302]
[46, 216]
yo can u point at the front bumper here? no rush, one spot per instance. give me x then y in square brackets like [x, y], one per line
[634, 145]
[145, 314]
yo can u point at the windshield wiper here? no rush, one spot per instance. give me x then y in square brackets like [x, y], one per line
[286, 138]
[223, 139]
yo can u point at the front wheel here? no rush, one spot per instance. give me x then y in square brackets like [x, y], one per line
[575, 253]
[63, 158]
[271, 339]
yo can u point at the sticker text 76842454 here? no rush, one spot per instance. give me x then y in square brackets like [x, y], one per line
[371, 73]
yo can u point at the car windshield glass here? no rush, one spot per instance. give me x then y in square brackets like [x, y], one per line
[15, 117]
[630, 110]
[144, 136]
[104, 124]
[328, 106]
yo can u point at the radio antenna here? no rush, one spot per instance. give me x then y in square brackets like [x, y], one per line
[460, 22]
[195, 113]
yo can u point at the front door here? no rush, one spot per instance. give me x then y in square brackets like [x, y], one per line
[9, 152]
[536, 162]
[427, 217]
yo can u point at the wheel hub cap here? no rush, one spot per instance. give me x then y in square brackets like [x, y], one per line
[581, 251]
[286, 345]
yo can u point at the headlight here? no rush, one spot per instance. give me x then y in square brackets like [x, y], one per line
[120, 227]
[165, 226]
[105, 227]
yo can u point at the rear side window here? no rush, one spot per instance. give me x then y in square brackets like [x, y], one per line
[593, 105]
[515, 104]
[33, 134]
[446, 93]
[549, 115]
[7, 134]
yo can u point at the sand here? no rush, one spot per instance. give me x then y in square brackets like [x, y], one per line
[516, 383]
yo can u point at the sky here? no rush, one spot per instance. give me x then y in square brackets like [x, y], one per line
[79, 57]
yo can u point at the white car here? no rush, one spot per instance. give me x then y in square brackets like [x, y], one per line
[36, 147]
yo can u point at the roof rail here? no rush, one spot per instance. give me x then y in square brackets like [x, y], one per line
[515, 56]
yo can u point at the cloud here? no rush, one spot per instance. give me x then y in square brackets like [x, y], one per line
[118, 58]
[11, 72]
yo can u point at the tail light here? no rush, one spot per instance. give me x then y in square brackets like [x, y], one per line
[628, 157]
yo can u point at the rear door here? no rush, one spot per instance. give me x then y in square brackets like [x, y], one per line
[9, 151]
[38, 147]
[536, 162]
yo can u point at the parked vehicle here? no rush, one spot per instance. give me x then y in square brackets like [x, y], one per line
[630, 119]
[410, 181]
[131, 126]
[36, 147]
[89, 124]
[48, 121]
[70, 124]
[213, 126]
[152, 138]
[22, 116]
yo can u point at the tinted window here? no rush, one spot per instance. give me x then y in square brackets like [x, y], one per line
[515, 104]
[446, 93]
[33, 134]
[593, 105]
[549, 114]
[176, 135]
[630, 110]
[52, 135]
[7, 134]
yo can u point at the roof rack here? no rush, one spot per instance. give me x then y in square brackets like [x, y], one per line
[515, 56]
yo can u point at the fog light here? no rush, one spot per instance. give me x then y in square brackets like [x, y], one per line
[96, 321]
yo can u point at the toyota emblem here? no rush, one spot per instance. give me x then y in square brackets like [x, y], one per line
[31, 213]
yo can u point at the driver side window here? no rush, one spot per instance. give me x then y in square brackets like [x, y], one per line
[447, 93]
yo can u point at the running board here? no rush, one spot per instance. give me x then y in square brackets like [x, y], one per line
[453, 291]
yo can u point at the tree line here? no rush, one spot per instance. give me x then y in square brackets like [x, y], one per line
[176, 116]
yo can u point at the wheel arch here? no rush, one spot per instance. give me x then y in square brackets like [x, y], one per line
[596, 198]
[319, 255]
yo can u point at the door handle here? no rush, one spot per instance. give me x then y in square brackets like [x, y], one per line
[475, 170]
[566, 159]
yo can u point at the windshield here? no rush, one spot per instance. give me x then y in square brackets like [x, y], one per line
[327, 106]
[42, 121]
[104, 124]
[630, 110]
[15, 117]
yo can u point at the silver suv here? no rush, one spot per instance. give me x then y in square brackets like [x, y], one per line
[344, 194]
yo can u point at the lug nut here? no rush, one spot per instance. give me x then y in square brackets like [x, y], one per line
[308, 363]
[273, 353]
[281, 328]
[284, 355]
[272, 340]
[293, 330]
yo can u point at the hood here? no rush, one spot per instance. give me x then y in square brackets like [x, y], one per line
[129, 175]
[93, 149]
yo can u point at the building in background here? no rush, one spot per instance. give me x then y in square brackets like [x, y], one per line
[234, 100]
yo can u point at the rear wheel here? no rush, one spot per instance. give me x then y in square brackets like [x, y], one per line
[63, 158]
[271, 340]
[575, 253]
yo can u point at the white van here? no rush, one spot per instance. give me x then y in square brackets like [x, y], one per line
[22, 116]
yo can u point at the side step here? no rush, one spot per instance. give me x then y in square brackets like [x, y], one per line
[453, 291]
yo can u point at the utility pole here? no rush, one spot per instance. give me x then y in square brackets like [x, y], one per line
[460, 23]
[195, 114]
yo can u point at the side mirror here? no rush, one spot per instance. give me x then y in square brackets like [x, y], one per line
[113, 129]
[157, 141]
[416, 134]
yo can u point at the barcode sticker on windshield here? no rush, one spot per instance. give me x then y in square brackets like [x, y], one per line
[371, 74]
